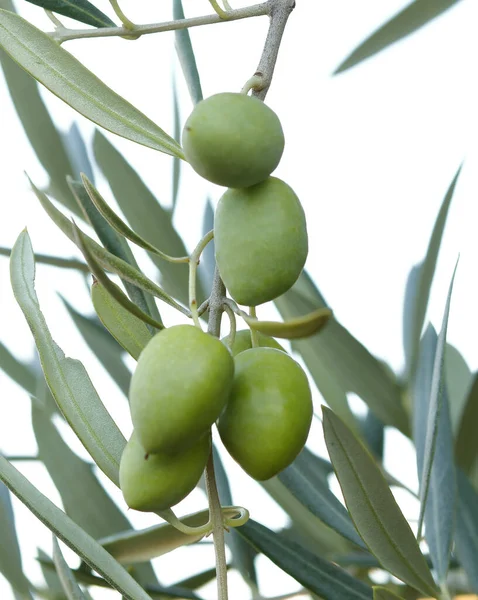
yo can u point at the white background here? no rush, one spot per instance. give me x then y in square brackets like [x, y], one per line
[370, 153]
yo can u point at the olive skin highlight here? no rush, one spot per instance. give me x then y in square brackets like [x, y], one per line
[261, 241]
[155, 482]
[267, 419]
[233, 140]
[179, 388]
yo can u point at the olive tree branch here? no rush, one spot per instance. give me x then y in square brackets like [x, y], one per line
[63, 34]
[279, 15]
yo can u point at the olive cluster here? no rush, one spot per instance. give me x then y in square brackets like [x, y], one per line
[260, 231]
[186, 380]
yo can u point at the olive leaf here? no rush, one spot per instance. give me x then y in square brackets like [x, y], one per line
[131, 547]
[298, 327]
[412, 17]
[106, 260]
[373, 508]
[10, 557]
[68, 79]
[73, 536]
[54, 261]
[80, 10]
[67, 378]
[126, 328]
[70, 586]
[119, 225]
[314, 573]
[112, 289]
[381, 593]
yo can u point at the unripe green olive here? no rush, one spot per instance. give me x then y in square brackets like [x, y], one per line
[155, 482]
[179, 388]
[267, 419]
[243, 341]
[233, 140]
[261, 242]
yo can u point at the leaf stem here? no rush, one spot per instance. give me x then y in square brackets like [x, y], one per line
[193, 265]
[121, 16]
[64, 34]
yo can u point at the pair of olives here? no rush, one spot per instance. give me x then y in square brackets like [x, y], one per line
[260, 231]
[185, 381]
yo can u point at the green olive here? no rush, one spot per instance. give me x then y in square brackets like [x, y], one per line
[233, 140]
[179, 388]
[261, 241]
[267, 419]
[155, 482]
[243, 341]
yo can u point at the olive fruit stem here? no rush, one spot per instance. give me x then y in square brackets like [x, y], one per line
[121, 16]
[232, 321]
[254, 334]
[220, 11]
[169, 516]
[193, 265]
[217, 521]
[54, 19]
[252, 83]
[64, 34]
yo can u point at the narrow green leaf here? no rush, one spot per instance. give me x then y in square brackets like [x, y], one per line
[118, 224]
[373, 508]
[466, 533]
[106, 349]
[54, 261]
[310, 487]
[314, 573]
[145, 215]
[419, 285]
[177, 137]
[381, 593]
[459, 381]
[80, 10]
[39, 128]
[186, 56]
[111, 288]
[113, 242]
[298, 327]
[306, 528]
[70, 586]
[440, 509]
[10, 557]
[68, 79]
[54, 587]
[339, 363]
[412, 17]
[84, 499]
[466, 444]
[106, 259]
[130, 547]
[373, 433]
[66, 378]
[435, 406]
[16, 370]
[78, 152]
[200, 579]
[208, 260]
[155, 590]
[127, 330]
[68, 532]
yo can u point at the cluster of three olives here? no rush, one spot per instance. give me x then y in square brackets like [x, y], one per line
[185, 381]
[235, 140]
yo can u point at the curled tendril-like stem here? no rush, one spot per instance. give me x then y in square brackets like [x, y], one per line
[232, 516]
